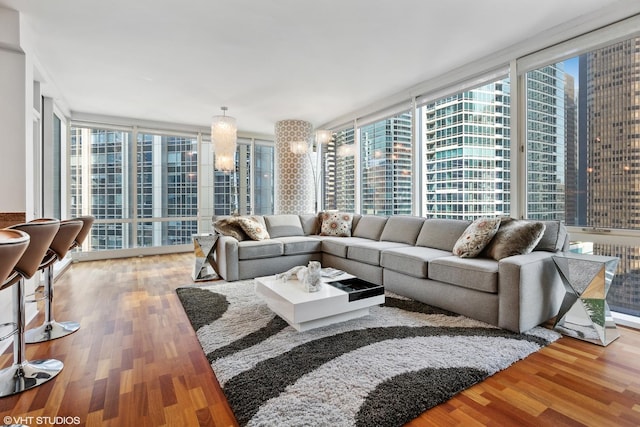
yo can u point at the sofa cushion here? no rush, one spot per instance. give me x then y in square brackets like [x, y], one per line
[368, 251]
[475, 237]
[553, 238]
[283, 225]
[354, 224]
[252, 249]
[440, 233]
[229, 227]
[254, 227]
[410, 260]
[310, 224]
[514, 237]
[480, 274]
[338, 245]
[402, 229]
[370, 227]
[300, 244]
[336, 224]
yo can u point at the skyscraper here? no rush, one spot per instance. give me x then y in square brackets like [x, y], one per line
[546, 142]
[103, 163]
[385, 162]
[612, 88]
[571, 150]
[466, 152]
[339, 172]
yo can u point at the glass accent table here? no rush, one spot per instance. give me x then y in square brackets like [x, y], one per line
[584, 313]
[204, 248]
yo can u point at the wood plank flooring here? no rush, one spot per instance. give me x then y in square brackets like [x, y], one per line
[136, 362]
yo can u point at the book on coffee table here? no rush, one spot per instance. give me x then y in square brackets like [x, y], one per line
[330, 272]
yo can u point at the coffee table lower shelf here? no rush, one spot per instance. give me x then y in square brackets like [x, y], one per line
[308, 310]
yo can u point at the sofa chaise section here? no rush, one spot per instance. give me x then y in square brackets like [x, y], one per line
[515, 293]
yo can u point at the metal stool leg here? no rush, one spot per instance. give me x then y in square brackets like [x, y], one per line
[24, 374]
[50, 329]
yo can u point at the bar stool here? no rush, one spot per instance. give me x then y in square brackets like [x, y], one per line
[13, 243]
[24, 374]
[62, 242]
[87, 222]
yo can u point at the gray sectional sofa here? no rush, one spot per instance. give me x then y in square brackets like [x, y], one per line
[412, 256]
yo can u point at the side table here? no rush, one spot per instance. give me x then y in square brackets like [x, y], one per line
[204, 248]
[584, 313]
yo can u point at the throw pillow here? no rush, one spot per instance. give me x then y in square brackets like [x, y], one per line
[253, 228]
[514, 237]
[336, 224]
[230, 227]
[475, 237]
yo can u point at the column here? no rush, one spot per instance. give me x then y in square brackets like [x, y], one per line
[295, 165]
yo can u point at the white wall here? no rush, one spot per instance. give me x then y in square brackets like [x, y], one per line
[18, 184]
[13, 121]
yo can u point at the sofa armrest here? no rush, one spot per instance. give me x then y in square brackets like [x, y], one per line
[530, 290]
[227, 258]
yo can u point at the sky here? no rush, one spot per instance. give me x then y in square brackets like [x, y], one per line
[571, 67]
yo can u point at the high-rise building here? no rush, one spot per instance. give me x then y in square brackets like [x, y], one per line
[339, 172]
[466, 153]
[546, 142]
[99, 162]
[612, 145]
[385, 166]
[102, 184]
[571, 151]
[233, 189]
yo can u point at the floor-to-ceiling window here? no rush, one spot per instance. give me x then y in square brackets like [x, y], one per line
[151, 189]
[546, 142]
[57, 167]
[263, 178]
[167, 187]
[386, 165]
[583, 156]
[100, 162]
[339, 177]
[249, 188]
[466, 145]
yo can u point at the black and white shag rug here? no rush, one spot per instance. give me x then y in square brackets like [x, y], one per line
[384, 369]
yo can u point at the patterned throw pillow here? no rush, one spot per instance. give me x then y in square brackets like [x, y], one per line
[253, 228]
[477, 235]
[336, 224]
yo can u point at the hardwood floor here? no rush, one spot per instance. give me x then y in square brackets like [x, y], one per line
[136, 362]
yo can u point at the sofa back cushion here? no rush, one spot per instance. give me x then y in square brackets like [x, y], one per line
[402, 229]
[310, 224]
[356, 219]
[553, 239]
[369, 227]
[283, 225]
[441, 233]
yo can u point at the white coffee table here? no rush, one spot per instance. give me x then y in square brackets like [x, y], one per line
[307, 310]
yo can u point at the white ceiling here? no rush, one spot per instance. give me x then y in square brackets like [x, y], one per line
[268, 60]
